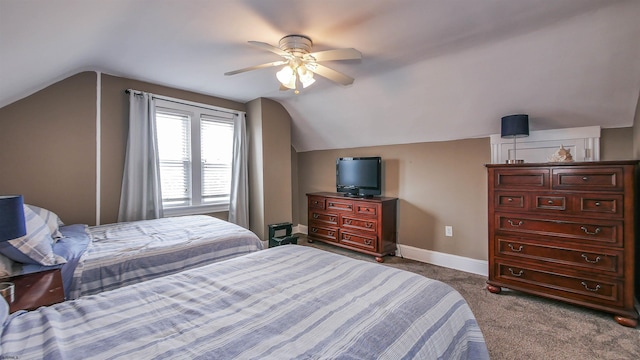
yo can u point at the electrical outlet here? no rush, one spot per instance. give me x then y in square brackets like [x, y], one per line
[448, 231]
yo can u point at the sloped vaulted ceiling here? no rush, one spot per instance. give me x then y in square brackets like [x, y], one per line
[432, 70]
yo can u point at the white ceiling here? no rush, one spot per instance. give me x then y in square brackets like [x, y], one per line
[432, 70]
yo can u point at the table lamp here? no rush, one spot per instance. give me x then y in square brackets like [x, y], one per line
[12, 223]
[515, 126]
[12, 226]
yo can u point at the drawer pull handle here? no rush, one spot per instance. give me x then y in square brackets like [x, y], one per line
[368, 225]
[586, 258]
[347, 221]
[332, 218]
[347, 237]
[510, 199]
[314, 230]
[549, 202]
[585, 178]
[315, 216]
[586, 231]
[512, 223]
[597, 203]
[330, 204]
[514, 274]
[316, 202]
[330, 233]
[367, 242]
[516, 250]
[591, 289]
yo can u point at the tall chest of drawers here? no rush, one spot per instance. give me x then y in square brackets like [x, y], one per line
[566, 231]
[366, 225]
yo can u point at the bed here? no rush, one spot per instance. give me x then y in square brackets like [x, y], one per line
[287, 302]
[99, 258]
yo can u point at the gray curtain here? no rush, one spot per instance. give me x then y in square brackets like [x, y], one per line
[239, 199]
[141, 198]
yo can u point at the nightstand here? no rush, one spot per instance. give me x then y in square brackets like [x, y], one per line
[36, 289]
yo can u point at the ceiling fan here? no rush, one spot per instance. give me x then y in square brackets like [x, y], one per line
[300, 63]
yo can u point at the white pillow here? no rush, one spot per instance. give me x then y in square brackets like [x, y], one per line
[35, 247]
[51, 219]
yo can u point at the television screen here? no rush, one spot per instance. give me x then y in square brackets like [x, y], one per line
[360, 176]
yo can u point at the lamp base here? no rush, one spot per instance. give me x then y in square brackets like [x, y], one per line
[513, 161]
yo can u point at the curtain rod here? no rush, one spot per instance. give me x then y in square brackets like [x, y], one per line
[187, 102]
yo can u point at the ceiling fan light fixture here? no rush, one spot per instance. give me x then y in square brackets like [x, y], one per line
[286, 75]
[291, 84]
[305, 76]
[301, 64]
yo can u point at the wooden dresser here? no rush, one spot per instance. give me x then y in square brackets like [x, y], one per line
[367, 225]
[565, 231]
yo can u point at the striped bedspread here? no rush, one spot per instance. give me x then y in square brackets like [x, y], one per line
[287, 302]
[127, 253]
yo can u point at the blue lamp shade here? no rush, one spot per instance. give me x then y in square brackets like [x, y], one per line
[12, 224]
[515, 126]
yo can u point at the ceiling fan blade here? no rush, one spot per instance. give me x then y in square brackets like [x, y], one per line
[271, 48]
[331, 74]
[336, 54]
[262, 66]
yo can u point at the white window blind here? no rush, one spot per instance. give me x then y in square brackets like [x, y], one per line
[196, 154]
[174, 148]
[217, 155]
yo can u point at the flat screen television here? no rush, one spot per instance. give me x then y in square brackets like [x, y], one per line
[359, 176]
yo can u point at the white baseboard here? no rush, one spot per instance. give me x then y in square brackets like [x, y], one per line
[301, 229]
[474, 266]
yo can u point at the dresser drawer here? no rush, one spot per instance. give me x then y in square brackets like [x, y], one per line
[364, 208]
[589, 232]
[521, 179]
[340, 205]
[596, 260]
[511, 201]
[369, 225]
[599, 205]
[366, 242]
[588, 179]
[604, 291]
[321, 231]
[316, 202]
[322, 217]
[555, 202]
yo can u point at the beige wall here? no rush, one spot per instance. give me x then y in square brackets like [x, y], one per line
[270, 174]
[114, 129]
[48, 139]
[438, 184]
[256, 173]
[616, 144]
[48, 148]
[48, 153]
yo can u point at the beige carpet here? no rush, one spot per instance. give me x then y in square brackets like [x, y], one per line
[521, 326]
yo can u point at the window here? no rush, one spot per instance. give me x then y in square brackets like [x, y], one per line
[195, 147]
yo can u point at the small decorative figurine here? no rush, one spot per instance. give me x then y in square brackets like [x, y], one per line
[561, 155]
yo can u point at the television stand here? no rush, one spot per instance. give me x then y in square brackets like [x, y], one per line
[366, 225]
